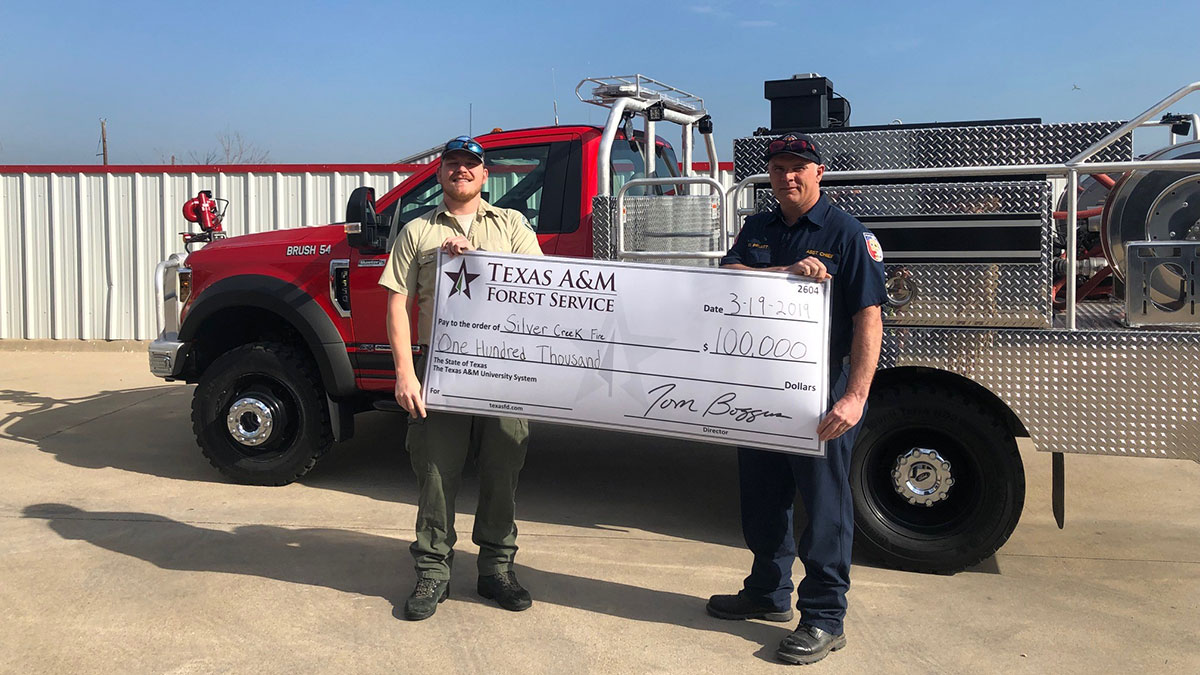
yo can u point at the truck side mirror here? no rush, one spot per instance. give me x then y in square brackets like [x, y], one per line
[361, 209]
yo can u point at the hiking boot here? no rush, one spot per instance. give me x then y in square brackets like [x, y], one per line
[505, 590]
[426, 596]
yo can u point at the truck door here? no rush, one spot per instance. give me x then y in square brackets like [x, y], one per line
[370, 354]
[530, 178]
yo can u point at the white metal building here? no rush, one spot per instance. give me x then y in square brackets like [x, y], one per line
[79, 244]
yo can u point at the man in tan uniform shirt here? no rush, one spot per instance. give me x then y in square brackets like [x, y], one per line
[438, 442]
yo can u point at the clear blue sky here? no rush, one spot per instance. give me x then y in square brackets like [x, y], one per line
[375, 81]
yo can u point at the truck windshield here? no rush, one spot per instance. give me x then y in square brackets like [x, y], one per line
[627, 164]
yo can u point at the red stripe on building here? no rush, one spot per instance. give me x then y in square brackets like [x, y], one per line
[210, 168]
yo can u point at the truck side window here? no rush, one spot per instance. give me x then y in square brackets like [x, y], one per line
[420, 201]
[516, 177]
[627, 164]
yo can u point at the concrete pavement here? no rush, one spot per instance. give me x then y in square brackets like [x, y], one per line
[121, 550]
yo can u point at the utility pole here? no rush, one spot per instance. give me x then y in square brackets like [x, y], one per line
[104, 140]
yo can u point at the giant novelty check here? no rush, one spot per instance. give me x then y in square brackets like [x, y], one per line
[717, 355]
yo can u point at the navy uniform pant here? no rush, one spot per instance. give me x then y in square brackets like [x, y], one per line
[769, 483]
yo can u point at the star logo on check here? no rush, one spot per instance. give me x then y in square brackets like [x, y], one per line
[462, 280]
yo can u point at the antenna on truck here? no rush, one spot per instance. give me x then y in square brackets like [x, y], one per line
[554, 95]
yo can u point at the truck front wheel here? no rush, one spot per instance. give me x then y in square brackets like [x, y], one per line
[259, 414]
[937, 479]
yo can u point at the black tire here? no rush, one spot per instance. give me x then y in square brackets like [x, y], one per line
[972, 518]
[285, 382]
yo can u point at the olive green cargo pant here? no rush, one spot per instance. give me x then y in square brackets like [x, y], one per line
[438, 447]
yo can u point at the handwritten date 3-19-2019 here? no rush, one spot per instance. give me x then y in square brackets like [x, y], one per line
[722, 405]
[762, 306]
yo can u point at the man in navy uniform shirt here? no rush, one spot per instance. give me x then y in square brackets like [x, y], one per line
[808, 236]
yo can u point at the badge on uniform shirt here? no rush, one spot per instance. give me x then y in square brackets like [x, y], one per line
[873, 247]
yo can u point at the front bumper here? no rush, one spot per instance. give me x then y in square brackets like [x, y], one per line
[167, 357]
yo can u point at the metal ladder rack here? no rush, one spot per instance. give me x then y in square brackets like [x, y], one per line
[654, 101]
[641, 88]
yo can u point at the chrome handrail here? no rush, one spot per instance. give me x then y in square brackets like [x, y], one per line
[1132, 124]
[1001, 170]
[1071, 172]
[174, 262]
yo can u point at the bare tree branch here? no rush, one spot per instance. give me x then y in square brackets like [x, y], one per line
[234, 149]
[237, 150]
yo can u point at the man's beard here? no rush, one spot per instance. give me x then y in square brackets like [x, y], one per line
[463, 194]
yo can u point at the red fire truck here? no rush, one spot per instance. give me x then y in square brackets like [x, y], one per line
[1041, 284]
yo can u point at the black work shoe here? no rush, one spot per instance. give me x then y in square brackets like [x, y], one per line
[808, 644]
[505, 590]
[426, 596]
[742, 607]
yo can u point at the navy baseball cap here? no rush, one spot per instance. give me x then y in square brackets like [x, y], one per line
[466, 144]
[801, 145]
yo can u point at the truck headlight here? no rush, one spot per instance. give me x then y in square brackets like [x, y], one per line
[184, 279]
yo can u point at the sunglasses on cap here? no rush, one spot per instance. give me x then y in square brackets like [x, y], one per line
[464, 143]
[791, 144]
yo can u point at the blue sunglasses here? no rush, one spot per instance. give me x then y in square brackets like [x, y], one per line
[464, 143]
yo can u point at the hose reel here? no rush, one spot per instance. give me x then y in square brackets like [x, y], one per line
[1152, 206]
[1153, 216]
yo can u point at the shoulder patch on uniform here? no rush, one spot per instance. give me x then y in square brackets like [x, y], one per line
[526, 223]
[873, 247]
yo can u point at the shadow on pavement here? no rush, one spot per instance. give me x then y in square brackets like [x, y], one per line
[146, 430]
[572, 476]
[580, 477]
[351, 561]
[588, 478]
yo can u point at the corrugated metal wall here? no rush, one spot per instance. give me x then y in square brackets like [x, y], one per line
[78, 245]
[79, 248]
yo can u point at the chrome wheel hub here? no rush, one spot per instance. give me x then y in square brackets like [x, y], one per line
[250, 421]
[922, 477]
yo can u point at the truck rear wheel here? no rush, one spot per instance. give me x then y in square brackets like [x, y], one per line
[937, 479]
[259, 414]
